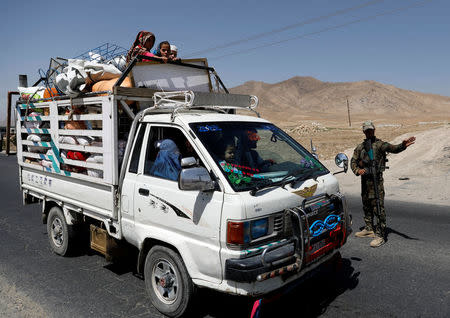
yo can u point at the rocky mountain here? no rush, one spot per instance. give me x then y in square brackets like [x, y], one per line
[307, 97]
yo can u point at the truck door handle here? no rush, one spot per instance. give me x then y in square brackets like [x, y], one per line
[144, 192]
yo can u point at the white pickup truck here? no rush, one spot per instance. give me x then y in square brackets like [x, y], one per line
[209, 198]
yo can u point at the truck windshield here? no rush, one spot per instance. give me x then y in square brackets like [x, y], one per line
[255, 155]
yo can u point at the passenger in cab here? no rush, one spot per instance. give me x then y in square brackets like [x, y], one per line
[226, 152]
[250, 156]
[167, 164]
[142, 45]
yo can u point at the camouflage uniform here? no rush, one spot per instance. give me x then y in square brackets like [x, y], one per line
[360, 160]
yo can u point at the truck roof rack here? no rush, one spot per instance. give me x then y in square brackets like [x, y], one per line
[184, 100]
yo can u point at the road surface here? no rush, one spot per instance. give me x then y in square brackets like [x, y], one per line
[409, 276]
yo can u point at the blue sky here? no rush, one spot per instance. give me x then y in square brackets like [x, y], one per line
[408, 48]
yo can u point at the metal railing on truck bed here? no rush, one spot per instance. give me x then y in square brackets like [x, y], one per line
[81, 144]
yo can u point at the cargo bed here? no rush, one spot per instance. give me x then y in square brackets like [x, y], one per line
[46, 167]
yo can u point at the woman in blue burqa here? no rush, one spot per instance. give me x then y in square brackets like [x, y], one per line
[167, 164]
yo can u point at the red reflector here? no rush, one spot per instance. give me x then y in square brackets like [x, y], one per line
[235, 233]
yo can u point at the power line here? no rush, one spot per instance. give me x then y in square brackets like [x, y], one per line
[417, 4]
[287, 27]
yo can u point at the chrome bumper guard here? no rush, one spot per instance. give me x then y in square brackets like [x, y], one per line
[289, 256]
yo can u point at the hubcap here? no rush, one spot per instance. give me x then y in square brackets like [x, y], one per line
[57, 232]
[165, 281]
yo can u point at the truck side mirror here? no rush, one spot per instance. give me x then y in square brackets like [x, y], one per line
[341, 161]
[195, 179]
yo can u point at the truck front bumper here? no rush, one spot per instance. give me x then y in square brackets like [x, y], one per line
[248, 269]
[283, 259]
[303, 249]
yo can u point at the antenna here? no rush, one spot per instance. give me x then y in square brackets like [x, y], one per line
[313, 150]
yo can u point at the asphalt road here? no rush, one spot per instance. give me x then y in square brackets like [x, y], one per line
[409, 276]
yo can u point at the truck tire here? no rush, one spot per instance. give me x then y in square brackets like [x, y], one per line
[60, 234]
[167, 281]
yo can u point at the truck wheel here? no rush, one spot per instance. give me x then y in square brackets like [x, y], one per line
[167, 281]
[60, 234]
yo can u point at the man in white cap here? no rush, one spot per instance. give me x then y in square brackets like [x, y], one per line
[376, 149]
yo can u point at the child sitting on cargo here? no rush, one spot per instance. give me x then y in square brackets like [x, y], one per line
[163, 51]
[142, 45]
[174, 53]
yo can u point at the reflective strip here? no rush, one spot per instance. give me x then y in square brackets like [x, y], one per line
[37, 131]
[30, 105]
[31, 118]
[56, 152]
[54, 164]
[257, 249]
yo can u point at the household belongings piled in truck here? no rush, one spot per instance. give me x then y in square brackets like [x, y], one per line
[245, 209]
[72, 129]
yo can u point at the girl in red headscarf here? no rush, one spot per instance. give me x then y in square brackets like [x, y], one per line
[142, 45]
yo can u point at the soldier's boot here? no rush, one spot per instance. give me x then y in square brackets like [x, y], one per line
[365, 233]
[377, 241]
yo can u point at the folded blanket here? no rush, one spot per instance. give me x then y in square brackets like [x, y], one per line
[80, 74]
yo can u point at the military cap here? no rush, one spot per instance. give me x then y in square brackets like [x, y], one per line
[368, 124]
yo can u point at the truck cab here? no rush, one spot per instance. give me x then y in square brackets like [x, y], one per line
[244, 224]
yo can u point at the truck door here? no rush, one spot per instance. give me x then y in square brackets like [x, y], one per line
[128, 187]
[187, 220]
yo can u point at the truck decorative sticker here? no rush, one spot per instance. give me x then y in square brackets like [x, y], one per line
[306, 192]
[40, 180]
[319, 226]
[209, 128]
[174, 208]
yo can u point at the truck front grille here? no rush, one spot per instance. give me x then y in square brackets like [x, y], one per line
[317, 209]
[278, 223]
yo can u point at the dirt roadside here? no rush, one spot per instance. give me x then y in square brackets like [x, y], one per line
[15, 303]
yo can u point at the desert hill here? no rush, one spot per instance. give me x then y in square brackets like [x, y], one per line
[308, 98]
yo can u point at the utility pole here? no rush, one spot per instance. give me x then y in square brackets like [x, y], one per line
[348, 111]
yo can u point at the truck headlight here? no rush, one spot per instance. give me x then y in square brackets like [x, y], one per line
[259, 228]
[242, 233]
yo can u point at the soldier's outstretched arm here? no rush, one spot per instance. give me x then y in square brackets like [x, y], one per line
[387, 147]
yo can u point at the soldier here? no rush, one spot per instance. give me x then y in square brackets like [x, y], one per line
[360, 165]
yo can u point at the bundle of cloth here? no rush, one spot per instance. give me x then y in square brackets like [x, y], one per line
[80, 76]
[37, 92]
[76, 155]
[35, 123]
[37, 138]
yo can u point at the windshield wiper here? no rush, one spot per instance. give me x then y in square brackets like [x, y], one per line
[281, 183]
[312, 173]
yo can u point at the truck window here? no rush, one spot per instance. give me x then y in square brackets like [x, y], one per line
[137, 150]
[165, 148]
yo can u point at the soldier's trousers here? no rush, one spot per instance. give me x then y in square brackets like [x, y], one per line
[370, 207]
